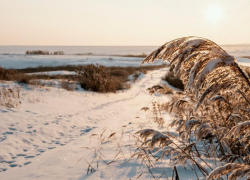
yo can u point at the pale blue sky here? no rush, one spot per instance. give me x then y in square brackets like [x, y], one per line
[122, 22]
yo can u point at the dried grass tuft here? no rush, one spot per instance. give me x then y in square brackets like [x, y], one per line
[222, 170]
[211, 117]
[198, 62]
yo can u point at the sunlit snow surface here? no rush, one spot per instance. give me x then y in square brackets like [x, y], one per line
[16, 58]
[45, 136]
[43, 139]
[24, 61]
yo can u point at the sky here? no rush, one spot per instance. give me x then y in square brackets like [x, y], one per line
[122, 22]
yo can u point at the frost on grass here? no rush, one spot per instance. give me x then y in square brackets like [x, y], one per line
[237, 130]
[219, 171]
[10, 97]
[157, 137]
[204, 67]
[212, 116]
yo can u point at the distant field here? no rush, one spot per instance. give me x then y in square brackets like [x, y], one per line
[92, 77]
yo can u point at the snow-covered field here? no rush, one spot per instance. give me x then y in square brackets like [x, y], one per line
[48, 136]
[43, 139]
[24, 61]
[14, 56]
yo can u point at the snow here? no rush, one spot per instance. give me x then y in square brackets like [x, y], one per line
[43, 139]
[50, 73]
[244, 61]
[131, 77]
[23, 61]
[193, 42]
[211, 65]
[46, 137]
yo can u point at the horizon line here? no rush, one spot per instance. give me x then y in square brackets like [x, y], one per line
[247, 44]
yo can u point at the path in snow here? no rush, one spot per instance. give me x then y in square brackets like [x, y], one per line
[43, 139]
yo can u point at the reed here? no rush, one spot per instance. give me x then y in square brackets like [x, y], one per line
[212, 112]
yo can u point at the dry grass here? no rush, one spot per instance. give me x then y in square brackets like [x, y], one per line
[68, 85]
[13, 75]
[246, 69]
[99, 78]
[160, 89]
[8, 74]
[213, 112]
[10, 97]
[112, 69]
[91, 77]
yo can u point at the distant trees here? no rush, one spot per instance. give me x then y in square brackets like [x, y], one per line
[58, 53]
[39, 52]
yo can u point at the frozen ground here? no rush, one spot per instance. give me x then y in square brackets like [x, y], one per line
[24, 61]
[43, 139]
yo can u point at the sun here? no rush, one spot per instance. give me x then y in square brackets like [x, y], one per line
[214, 13]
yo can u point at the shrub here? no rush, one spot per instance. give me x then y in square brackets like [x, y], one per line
[97, 78]
[173, 80]
[13, 75]
[119, 73]
[118, 76]
[25, 79]
[38, 52]
[58, 53]
[7, 74]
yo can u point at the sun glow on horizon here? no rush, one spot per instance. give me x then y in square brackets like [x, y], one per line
[214, 13]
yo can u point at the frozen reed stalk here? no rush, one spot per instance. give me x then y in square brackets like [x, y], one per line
[237, 130]
[204, 67]
[160, 90]
[219, 171]
[239, 173]
[157, 137]
[212, 117]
